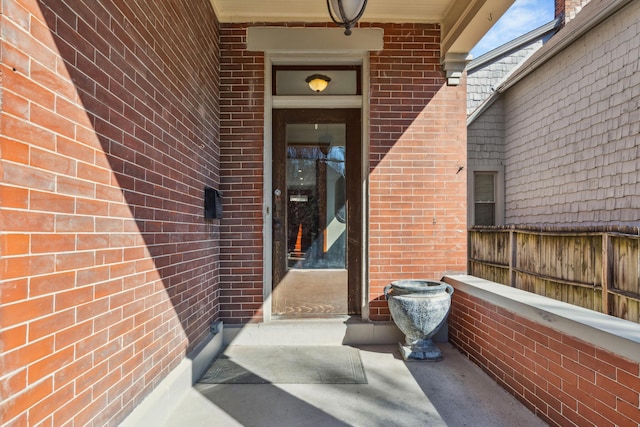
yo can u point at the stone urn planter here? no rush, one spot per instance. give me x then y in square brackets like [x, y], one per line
[419, 308]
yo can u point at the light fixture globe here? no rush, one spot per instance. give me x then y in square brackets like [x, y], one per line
[318, 82]
[346, 13]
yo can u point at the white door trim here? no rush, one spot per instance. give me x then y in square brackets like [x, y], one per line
[271, 102]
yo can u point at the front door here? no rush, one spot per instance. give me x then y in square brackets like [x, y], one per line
[317, 212]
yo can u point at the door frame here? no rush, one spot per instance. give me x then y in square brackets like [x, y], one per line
[353, 163]
[316, 102]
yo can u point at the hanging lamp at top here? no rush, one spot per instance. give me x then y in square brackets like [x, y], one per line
[346, 13]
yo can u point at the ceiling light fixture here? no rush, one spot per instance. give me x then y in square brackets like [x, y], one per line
[346, 13]
[318, 82]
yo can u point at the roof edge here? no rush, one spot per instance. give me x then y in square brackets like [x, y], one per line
[494, 95]
[551, 26]
[574, 32]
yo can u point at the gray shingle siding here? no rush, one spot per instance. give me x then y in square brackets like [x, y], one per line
[485, 137]
[481, 81]
[572, 131]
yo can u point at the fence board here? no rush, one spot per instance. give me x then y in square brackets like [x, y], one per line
[528, 252]
[625, 307]
[567, 264]
[490, 272]
[624, 264]
[491, 247]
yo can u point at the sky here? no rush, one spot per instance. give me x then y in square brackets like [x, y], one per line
[522, 17]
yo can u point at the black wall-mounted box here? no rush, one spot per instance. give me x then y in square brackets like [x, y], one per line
[212, 203]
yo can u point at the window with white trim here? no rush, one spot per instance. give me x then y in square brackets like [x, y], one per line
[484, 198]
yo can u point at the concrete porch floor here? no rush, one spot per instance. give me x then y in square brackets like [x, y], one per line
[452, 392]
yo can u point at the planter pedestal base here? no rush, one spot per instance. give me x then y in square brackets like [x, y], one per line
[420, 350]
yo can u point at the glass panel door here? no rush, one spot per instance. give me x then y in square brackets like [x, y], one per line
[316, 195]
[315, 227]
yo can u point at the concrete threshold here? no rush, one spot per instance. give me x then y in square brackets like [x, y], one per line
[332, 331]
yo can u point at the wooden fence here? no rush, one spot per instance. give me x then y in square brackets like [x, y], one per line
[596, 268]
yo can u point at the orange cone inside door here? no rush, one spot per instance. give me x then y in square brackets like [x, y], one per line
[297, 250]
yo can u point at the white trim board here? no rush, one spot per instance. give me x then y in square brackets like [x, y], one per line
[271, 102]
[270, 39]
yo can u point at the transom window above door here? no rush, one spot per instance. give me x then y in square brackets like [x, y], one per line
[301, 80]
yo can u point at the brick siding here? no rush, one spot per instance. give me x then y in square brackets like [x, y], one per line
[241, 164]
[417, 143]
[110, 133]
[569, 8]
[563, 380]
[417, 209]
[108, 137]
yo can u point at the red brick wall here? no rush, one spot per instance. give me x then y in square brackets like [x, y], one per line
[108, 136]
[417, 144]
[565, 381]
[241, 168]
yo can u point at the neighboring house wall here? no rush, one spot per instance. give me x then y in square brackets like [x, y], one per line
[417, 142]
[483, 78]
[485, 123]
[572, 130]
[109, 136]
[485, 154]
[486, 137]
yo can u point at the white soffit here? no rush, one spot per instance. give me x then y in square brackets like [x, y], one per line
[463, 22]
[316, 11]
[313, 39]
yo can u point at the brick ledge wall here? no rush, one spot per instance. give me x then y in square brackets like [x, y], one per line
[568, 365]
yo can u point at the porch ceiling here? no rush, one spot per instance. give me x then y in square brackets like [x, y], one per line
[316, 10]
[463, 22]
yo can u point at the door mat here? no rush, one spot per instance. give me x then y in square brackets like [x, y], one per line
[287, 365]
